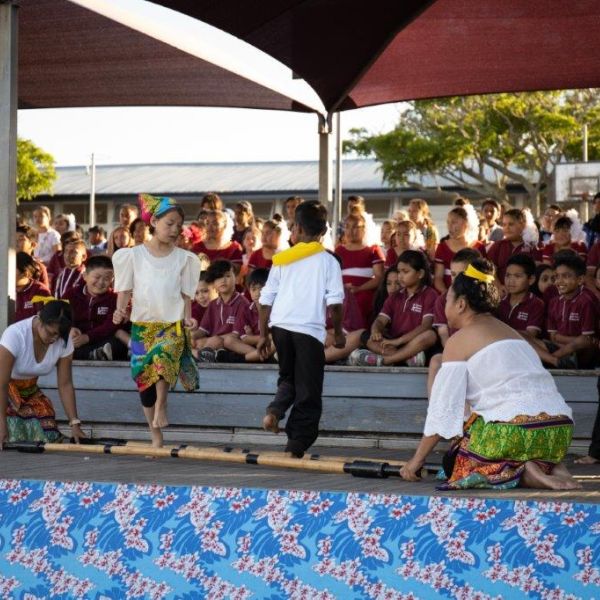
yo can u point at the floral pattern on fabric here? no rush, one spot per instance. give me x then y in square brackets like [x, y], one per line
[99, 541]
[30, 414]
[162, 350]
[493, 455]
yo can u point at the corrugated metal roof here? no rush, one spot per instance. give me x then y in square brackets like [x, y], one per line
[232, 178]
[218, 177]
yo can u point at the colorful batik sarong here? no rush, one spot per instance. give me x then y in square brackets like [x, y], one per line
[493, 455]
[30, 415]
[162, 350]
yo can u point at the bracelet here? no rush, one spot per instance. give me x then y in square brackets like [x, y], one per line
[74, 422]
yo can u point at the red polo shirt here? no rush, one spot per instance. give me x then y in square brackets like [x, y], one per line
[527, 314]
[93, 314]
[593, 259]
[549, 250]
[573, 316]
[248, 316]
[500, 252]
[258, 261]
[220, 317]
[407, 312]
[198, 312]
[232, 253]
[24, 307]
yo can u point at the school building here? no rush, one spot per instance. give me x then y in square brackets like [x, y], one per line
[264, 184]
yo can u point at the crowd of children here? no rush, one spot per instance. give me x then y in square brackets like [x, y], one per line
[163, 294]
[395, 290]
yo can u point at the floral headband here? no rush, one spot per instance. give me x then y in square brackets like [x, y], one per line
[474, 273]
[154, 206]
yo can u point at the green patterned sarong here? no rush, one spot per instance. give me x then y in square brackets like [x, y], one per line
[493, 455]
[162, 350]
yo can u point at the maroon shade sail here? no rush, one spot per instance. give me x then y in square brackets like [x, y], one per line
[356, 53]
[70, 56]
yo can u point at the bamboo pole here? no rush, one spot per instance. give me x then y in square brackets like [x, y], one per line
[307, 457]
[356, 468]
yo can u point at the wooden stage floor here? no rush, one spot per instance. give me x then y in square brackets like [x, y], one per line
[139, 470]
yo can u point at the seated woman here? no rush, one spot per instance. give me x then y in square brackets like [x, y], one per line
[520, 427]
[28, 349]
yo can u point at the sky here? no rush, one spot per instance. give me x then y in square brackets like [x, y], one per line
[189, 134]
[174, 134]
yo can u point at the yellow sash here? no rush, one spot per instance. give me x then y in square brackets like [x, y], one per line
[296, 253]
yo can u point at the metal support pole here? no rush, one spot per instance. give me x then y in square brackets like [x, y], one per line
[93, 192]
[337, 200]
[8, 158]
[585, 143]
[325, 191]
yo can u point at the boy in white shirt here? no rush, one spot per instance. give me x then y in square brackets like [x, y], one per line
[304, 281]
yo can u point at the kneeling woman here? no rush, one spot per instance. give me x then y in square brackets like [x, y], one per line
[520, 427]
[28, 349]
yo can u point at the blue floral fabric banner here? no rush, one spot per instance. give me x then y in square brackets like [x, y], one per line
[101, 541]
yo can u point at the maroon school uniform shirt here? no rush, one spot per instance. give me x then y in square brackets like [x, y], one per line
[439, 313]
[407, 312]
[352, 319]
[247, 317]
[66, 280]
[573, 316]
[444, 256]
[257, 261]
[500, 252]
[593, 259]
[529, 313]
[220, 317]
[232, 253]
[198, 312]
[549, 250]
[93, 315]
[24, 306]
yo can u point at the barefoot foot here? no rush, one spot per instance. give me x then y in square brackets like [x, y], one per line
[586, 460]
[271, 423]
[160, 416]
[157, 438]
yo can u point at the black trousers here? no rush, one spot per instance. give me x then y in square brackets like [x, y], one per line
[595, 445]
[300, 386]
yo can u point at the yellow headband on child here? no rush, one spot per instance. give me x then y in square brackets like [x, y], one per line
[46, 299]
[474, 273]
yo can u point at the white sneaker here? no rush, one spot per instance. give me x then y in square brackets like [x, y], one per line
[418, 360]
[364, 358]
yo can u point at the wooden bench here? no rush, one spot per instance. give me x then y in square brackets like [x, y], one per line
[377, 407]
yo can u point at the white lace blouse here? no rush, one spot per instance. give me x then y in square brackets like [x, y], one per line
[157, 281]
[501, 381]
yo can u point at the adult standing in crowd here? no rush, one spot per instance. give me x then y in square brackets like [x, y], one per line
[29, 349]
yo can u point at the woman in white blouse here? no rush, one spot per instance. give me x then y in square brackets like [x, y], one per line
[28, 349]
[520, 427]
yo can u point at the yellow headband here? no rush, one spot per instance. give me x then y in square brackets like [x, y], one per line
[46, 299]
[474, 273]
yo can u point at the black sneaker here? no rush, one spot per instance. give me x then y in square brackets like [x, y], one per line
[206, 355]
[568, 362]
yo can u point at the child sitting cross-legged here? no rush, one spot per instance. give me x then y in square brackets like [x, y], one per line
[410, 314]
[521, 308]
[205, 294]
[93, 302]
[241, 342]
[221, 314]
[572, 319]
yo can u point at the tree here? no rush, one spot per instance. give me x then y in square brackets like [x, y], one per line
[35, 170]
[483, 143]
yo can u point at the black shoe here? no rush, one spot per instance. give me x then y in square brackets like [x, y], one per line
[568, 362]
[207, 355]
